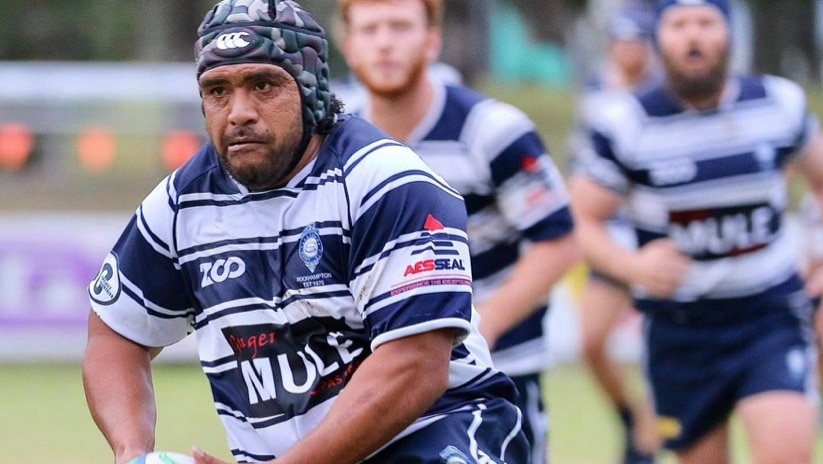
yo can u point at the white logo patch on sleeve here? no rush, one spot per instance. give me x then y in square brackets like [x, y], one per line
[105, 289]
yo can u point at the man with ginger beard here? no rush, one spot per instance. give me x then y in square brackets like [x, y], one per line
[520, 227]
[700, 163]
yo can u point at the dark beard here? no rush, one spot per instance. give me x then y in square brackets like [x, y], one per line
[269, 173]
[263, 176]
[698, 87]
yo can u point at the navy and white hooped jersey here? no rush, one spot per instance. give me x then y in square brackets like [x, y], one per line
[289, 290]
[492, 154]
[713, 181]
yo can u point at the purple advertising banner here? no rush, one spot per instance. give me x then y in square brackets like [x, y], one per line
[46, 264]
[47, 261]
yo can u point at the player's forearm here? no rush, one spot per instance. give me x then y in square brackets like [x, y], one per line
[534, 275]
[392, 388]
[118, 386]
[603, 253]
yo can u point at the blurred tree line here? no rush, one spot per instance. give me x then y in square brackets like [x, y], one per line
[785, 38]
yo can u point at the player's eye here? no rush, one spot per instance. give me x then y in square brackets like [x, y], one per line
[215, 92]
[262, 86]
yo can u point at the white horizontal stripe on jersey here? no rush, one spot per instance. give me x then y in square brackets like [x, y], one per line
[491, 126]
[465, 171]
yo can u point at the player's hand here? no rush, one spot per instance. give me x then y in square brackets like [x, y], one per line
[660, 268]
[201, 457]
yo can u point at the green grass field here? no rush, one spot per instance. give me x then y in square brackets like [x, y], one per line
[43, 417]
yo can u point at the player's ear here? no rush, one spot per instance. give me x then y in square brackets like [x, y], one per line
[434, 40]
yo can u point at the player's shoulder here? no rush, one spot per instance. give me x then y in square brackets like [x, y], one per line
[353, 136]
[612, 110]
[784, 91]
[481, 110]
[361, 146]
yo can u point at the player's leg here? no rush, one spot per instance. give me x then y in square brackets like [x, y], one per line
[692, 386]
[779, 396]
[818, 337]
[712, 448]
[780, 427]
[602, 304]
[535, 419]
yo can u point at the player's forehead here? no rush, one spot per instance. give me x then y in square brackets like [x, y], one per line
[362, 11]
[241, 73]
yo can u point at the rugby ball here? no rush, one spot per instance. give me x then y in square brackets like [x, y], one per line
[162, 457]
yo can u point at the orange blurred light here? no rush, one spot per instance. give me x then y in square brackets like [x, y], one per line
[16, 143]
[95, 149]
[178, 147]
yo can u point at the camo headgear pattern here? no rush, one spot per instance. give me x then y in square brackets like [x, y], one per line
[278, 32]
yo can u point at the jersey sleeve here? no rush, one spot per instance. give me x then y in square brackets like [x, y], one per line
[529, 188]
[595, 156]
[410, 268]
[792, 100]
[139, 291]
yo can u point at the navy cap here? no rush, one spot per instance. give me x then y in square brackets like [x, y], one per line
[721, 5]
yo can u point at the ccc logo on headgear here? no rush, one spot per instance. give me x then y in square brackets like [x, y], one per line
[233, 40]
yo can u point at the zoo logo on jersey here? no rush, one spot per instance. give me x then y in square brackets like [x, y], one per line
[221, 270]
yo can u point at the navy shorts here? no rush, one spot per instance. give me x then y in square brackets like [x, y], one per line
[703, 359]
[535, 418]
[488, 431]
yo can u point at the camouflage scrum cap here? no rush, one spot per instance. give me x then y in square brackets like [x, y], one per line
[278, 32]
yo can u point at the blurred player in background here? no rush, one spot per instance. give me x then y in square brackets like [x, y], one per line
[324, 267]
[520, 227]
[605, 302]
[700, 160]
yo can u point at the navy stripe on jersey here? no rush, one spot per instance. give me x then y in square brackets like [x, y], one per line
[400, 314]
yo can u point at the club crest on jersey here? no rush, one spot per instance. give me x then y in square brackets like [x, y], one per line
[311, 247]
[105, 289]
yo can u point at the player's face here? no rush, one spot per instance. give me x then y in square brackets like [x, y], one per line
[388, 44]
[694, 48]
[254, 118]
